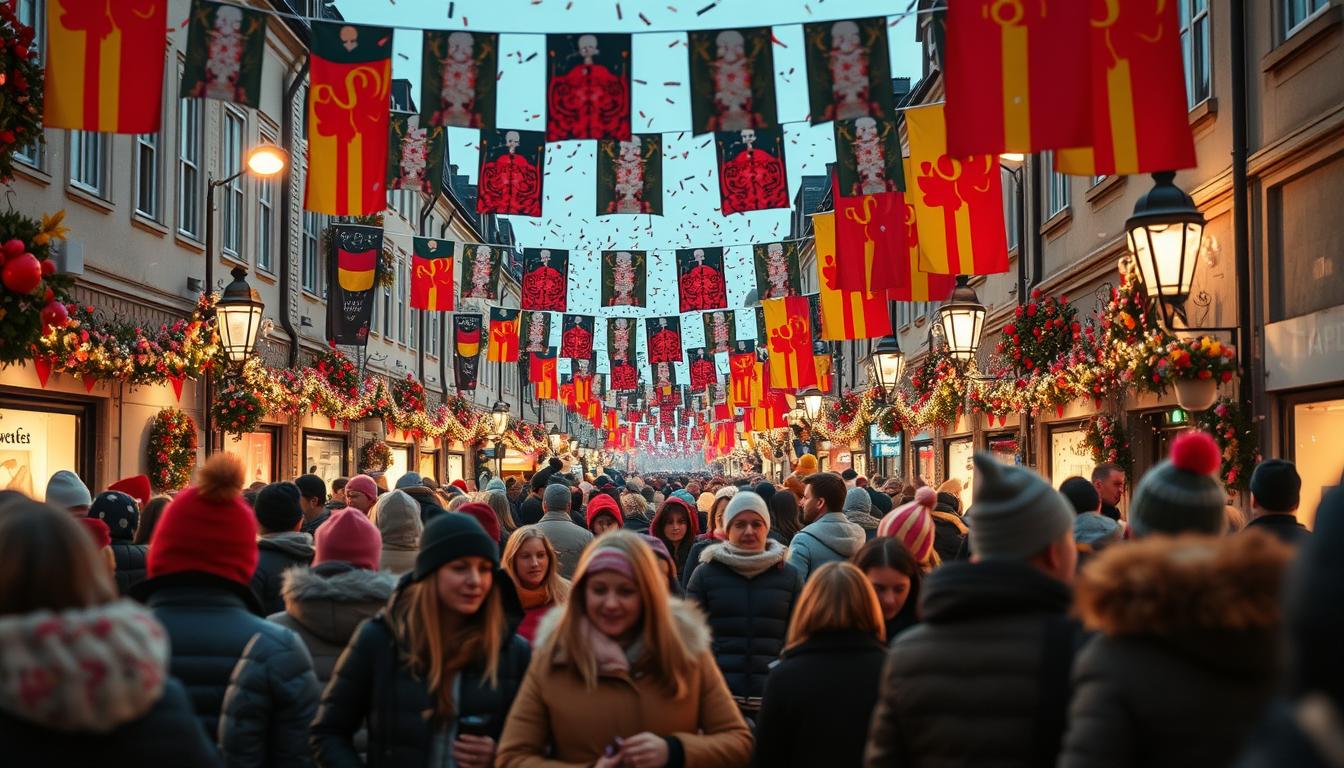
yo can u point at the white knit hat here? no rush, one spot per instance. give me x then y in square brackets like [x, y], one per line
[746, 501]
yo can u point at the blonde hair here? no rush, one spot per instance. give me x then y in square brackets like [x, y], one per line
[437, 653]
[951, 485]
[1236, 519]
[668, 658]
[557, 587]
[499, 502]
[634, 504]
[836, 596]
[457, 502]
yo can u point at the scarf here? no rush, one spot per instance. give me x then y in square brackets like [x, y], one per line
[532, 598]
[744, 562]
[611, 658]
[862, 519]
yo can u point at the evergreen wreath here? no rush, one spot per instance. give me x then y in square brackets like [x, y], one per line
[237, 408]
[375, 456]
[172, 449]
[1043, 331]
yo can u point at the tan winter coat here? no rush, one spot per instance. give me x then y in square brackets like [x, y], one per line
[556, 722]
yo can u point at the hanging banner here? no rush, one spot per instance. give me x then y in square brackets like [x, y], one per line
[350, 74]
[105, 66]
[913, 283]
[480, 271]
[777, 272]
[624, 278]
[1014, 78]
[542, 372]
[868, 157]
[720, 331]
[630, 175]
[225, 48]
[545, 279]
[732, 79]
[703, 371]
[503, 335]
[458, 72]
[664, 339]
[587, 87]
[958, 202]
[790, 335]
[466, 350]
[745, 388]
[848, 69]
[1140, 116]
[432, 274]
[511, 172]
[823, 361]
[624, 376]
[415, 154]
[356, 252]
[621, 339]
[844, 314]
[751, 170]
[576, 337]
[700, 281]
[536, 332]
[869, 240]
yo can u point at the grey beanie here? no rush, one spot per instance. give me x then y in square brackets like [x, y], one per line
[858, 500]
[1015, 513]
[746, 501]
[65, 491]
[410, 480]
[1182, 494]
[557, 498]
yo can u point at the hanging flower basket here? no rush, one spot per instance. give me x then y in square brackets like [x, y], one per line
[1196, 394]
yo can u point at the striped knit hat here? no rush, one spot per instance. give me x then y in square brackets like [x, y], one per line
[912, 525]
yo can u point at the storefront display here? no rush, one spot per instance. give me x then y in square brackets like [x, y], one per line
[1319, 461]
[324, 455]
[1069, 454]
[455, 470]
[257, 452]
[428, 464]
[1004, 448]
[961, 466]
[34, 444]
[888, 451]
[925, 461]
[400, 464]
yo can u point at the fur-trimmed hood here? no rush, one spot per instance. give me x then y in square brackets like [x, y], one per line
[331, 599]
[686, 617]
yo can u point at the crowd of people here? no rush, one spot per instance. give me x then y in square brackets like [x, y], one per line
[676, 620]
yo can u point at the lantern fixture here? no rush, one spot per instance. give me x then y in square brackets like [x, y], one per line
[238, 317]
[499, 419]
[266, 160]
[886, 364]
[962, 320]
[1165, 233]
[812, 399]
[556, 439]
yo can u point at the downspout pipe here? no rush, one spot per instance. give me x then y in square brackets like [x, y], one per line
[286, 209]
[1241, 236]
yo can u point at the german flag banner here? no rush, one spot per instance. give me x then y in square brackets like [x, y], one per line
[432, 274]
[105, 65]
[503, 335]
[958, 202]
[356, 263]
[1014, 77]
[542, 371]
[845, 314]
[1140, 116]
[790, 342]
[868, 240]
[466, 349]
[350, 73]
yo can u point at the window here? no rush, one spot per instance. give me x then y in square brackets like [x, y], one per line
[266, 220]
[147, 175]
[387, 312]
[1098, 179]
[189, 167]
[311, 233]
[400, 290]
[1057, 188]
[1296, 13]
[88, 162]
[1010, 212]
[1195, 49]
[231, 163]
[414, 331]
[32, 13]
[435, 320]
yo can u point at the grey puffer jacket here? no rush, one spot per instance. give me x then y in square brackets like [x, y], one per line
[277, 553]
[827, 539]
[325, 604]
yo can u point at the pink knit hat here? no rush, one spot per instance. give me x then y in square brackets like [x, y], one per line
[364, 484]
[349, 537]
[912, 525]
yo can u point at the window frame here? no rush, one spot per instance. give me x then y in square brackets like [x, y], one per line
[311, 237]
[150, 142]
[78, 162]
[266, 191]
[235, 192]
[1309, 14]
[399, 295]
[190, 192]
[1057, 191]
[38, 159]
[1194, 21]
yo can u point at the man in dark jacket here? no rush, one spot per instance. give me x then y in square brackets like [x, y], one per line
[1276, 490]
[882, 503]
[530, 511]
[414, 486]
[995, 639]
[200, 568]
[121, 514]
[313, 502]
[281, 545]
[949, 528]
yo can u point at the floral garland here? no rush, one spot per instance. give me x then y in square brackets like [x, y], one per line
[375, 456]
[172, 449]
[1106, 441]
[32, 294]
[847, 419]
[237, 409]
[1231, 426]
[935, 394]
[889, 421]
[21, 76]
[1042, 331]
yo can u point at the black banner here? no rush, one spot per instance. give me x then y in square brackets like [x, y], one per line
[466, 350]
[355, 255]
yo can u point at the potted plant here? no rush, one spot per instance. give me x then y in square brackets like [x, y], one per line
[1196, 367]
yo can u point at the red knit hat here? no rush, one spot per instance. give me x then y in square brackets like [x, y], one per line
[460, 484]
[208, 528]
[135, 486]
[98, 531]
[484, 515]
[601, 503]
[349, 537]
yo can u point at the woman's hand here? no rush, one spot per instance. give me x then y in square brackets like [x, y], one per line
[474, 751]
[608, 762]
[644, 750]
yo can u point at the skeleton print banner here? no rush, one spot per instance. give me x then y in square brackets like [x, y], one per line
[751, 170]
[700, 281]
[545, 279]
[732, 79]
[415, 154]
[777, 273]
[868, 157]
[720, 331]
[664, 338]
[458, 71]
[630, 175]
[587, 87]
[576, 337]
[480, 271]
[225, 48]
[848, 69]
[511, 173]
[624, 278]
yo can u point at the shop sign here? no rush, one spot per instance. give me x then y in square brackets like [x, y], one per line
[1305, 351]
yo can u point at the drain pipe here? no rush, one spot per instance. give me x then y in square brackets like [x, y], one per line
[286, 209]
[1241, 237]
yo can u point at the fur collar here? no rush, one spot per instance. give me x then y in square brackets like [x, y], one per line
[687, 619]
[332, 604]
[744, 563]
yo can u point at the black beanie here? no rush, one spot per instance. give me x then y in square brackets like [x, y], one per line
[277, 507]
[1082, 494]
[451, 536]
[1276, 485]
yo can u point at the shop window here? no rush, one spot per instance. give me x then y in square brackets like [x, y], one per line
[35, 443]
[456, 468]
[324, 456]
[428, 465]
[925, 461]
[1004, 448]
[1305, 261]
[1319, 462]
[401, 464]
[1068, 455]
[257, 452]
[961, 466]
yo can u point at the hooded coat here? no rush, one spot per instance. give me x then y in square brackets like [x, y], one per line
[325, 604]
[748, 599]
[427, 501]
[1199, 614]
[828, 539]
[277, 553]
[859, 511]
[400, 525]
[546, 730]
[680, 550]
[133, 714]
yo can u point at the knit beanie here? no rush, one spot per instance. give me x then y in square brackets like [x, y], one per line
[363, 484]
[1182, 494]
[119, 512]
[1276, 485]
[765, 491]
[495, 484]
[556, 498]
[410, 480]
[858, 500]
[600, 504]
[135, 486]
[912, 525]
[483, 515]
[97, 530]
[807, 465]
[65, 491]
[746, 501]
[460, 485]
[449, 537]
[207, 528]
[1016, 513]
[349, 537]
[397, 517]
[277, 507]
[1082, 495]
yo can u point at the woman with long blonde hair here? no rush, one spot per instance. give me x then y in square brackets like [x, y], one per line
[435, 673]
[530, 561]
[624, 675]
[827, 678]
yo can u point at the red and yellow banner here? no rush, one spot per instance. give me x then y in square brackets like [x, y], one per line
[744, 386]
[958, 201]
[503, 335]
[432, 274]
[1140, 115]
[845, 314]
[350, 74]
[1014, 76]
[788, 329]
[105, 65]
[916, 284]
[869, 240]
[824, 378]
[543, 373]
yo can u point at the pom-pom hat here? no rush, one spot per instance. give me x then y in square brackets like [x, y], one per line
[1183, 493]
[208, 528]
[912, 525]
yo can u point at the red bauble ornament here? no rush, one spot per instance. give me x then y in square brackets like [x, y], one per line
[13, 247]
[48, 267]
[54, 315]
[22, 274]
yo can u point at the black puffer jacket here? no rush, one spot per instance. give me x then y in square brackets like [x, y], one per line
[130, 564]
[270, 701]
[276, 554]
[748, 614]
[374, 685]
[210, 623]
[984, 678]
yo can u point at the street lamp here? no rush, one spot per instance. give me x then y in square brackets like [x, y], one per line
[556, 439]
[1165, 234]
[266, 160]
[499, 419]
[886, 363]
[812, 399]
[962, 318]
[238, 317]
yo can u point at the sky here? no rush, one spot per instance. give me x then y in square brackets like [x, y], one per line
[660, 105]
